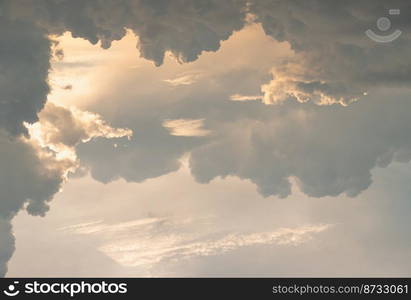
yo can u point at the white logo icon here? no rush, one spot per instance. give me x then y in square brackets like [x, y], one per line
[384, 24]
[11, 290]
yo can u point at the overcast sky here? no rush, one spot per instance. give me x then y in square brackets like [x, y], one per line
[204, 138]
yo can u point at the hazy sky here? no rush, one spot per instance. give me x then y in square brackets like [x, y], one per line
[238, 138]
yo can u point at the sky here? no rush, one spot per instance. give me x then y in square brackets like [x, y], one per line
[204, 138]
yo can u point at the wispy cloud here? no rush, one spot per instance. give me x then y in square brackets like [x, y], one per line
[186, 79]
[186, 127]
[239, 97]
[149, 241]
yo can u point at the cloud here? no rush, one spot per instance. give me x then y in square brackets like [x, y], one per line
[153, 151]
[326, 154]
[33, 169]
[28, 180]
[366, 230]
[24, 65]
[317, 33]
[239, 97]
[183, 28]
[61, 129]
[28, 164]
[186, 127]
[283, 88]
[7, 245]
[328, 151]
[148, 242]
[335, 62]
[186, 79]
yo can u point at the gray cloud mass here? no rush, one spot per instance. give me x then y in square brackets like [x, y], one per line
[185, 28]
[26, 181]
[24, 65]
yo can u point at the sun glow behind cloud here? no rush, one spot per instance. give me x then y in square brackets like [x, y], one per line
[59, 130]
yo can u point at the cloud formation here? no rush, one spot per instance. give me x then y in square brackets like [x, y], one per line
[148, 242]
[186, 127]
[328, 151]
[183, 28]
[335, 62]
[33, 169]
[28, 180]
[25, 180]
[61, 129]
[7, 245]
[24, 66]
